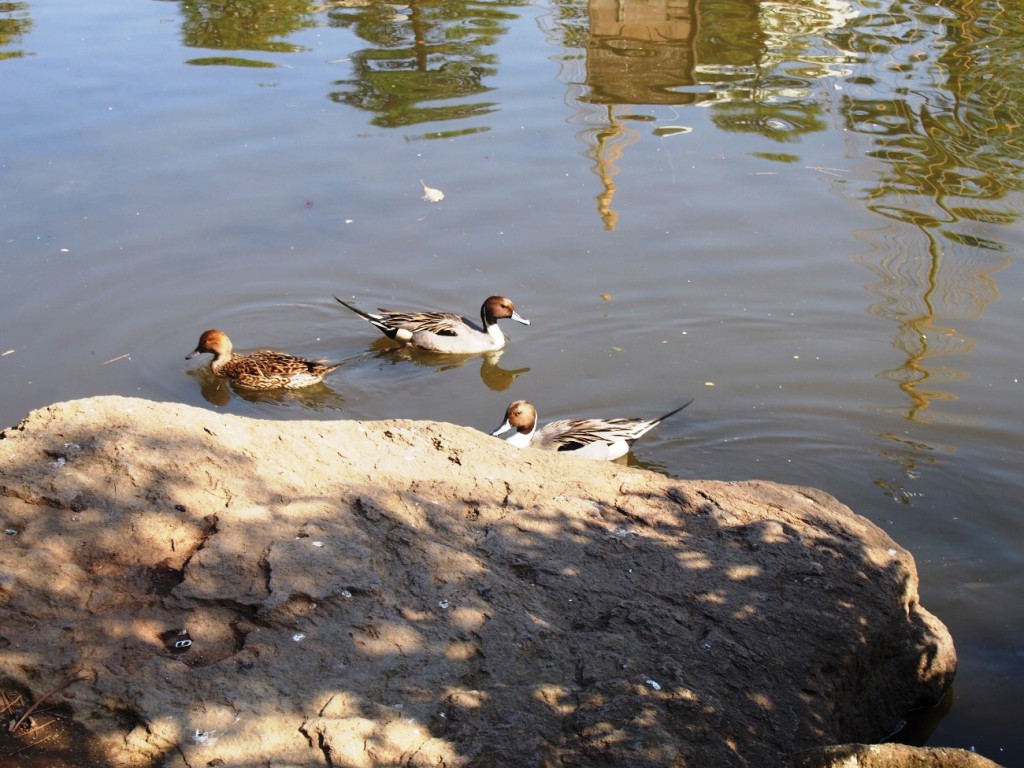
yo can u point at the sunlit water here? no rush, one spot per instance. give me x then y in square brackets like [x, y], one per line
[806, 216]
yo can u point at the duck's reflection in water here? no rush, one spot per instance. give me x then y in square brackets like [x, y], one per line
[493, 375]
[217, 391]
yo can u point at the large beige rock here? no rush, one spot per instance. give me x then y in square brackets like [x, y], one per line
[415, 593]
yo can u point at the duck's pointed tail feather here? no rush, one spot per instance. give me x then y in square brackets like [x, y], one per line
[388, 330]
[657, 421]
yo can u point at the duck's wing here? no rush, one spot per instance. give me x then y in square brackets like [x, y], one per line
[437, 323]
[576, 434]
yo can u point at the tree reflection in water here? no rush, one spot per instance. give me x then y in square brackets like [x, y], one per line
[243, 25]
[945, 149]
[15, 23]
[425, 66]
[930, 96]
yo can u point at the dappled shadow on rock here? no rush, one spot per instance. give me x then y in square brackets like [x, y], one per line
[373, 593]
[887, 756]
[36, 734]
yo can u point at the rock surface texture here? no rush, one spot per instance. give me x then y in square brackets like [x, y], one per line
[887, 756]
[415, 593]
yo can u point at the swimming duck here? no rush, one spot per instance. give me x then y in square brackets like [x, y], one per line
[445, 332]
[259, 370]
[602, 439]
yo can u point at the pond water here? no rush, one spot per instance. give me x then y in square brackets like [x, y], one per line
[805, 215]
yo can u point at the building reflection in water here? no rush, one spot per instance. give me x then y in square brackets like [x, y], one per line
[755, 65]
[636, 52]
[639, 52]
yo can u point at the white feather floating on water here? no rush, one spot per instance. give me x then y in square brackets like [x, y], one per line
[432, 195]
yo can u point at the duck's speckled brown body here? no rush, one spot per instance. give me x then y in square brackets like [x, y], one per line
[264, 369]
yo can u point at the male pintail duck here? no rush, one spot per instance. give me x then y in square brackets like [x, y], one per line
[259, 370]
[605, 439]
[446, 332]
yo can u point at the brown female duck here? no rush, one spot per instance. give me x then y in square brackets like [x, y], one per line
[259, 370]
